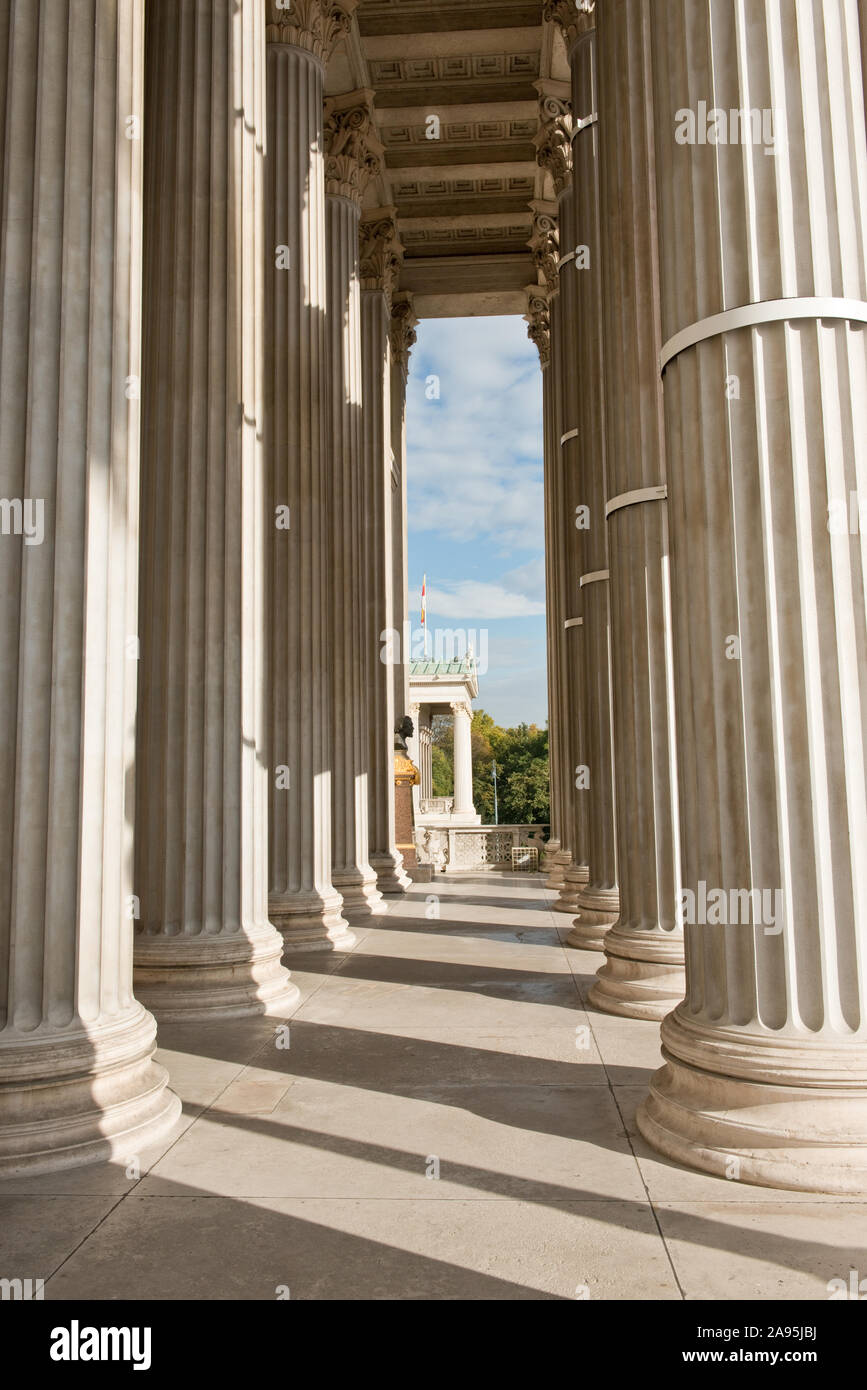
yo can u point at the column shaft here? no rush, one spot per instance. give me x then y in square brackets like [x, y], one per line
[352, 711]
[463, 805]
[77, 1078]
[598, 901]
[766, 438]
[204, 944]
[303, 901]
[643, 973]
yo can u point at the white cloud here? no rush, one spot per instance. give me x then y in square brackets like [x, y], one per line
[470, 600]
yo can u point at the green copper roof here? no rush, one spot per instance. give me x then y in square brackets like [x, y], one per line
[466, 666]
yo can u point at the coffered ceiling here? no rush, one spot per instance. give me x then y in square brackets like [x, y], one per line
[463, 185]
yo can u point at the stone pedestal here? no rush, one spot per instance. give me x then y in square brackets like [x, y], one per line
[405, 778]
[77, 1076]
[303, 901]
[643, 973]
[765, 1074]
[204, 945]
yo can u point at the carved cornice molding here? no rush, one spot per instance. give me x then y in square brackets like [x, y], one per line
[575, 18]
[545, 243]
[403, 325]
[316, 26]
[554, 139]
[353, 154]
[538, 318]
[380, 252]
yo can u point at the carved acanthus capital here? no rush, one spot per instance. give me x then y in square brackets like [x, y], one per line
[403, 325]
[574, 17]
[353, 154]
[553, 140]
[538, 318]
[380, 252]
[545, 243]
[317, 26]
[461, 707]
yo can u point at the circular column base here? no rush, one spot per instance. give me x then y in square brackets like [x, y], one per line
[360, 894]
[560, 863]
[73, 1096]
[392, 880]
[597, 910]
[310, 922]
[575, 879]
[232, 975]
[802, 1134]
[643, 975]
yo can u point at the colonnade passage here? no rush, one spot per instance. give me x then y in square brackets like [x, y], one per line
[221, 225]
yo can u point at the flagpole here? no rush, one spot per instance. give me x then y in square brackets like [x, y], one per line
[424, 613]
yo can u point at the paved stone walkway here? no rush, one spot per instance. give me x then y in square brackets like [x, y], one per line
[449, 1121]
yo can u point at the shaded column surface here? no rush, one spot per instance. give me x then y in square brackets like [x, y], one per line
[77, 1076]
[303, 901]
[351, 159]
[463, 719]
[380, 258]
[204, 944]
[598, 902]
[643, 972]
[765, 1071]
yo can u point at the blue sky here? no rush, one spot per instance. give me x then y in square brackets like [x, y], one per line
[475, 506]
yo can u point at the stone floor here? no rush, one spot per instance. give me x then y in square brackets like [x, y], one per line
[459, 1045]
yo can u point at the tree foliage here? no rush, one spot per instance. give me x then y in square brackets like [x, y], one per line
[521, 755]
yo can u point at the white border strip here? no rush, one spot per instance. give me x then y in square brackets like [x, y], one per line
[570, 434]
[593, 577]
[639, 494]
[574, 622]
[754, 315]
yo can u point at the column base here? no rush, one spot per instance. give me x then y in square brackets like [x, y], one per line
[549, 854]
[574, 880]
[311, 922]
[560, 863]
[81, 1096]
[392, 880]
[360, 893]
[184, 978]
[598, 909]
[802, 1125]
[643, 975]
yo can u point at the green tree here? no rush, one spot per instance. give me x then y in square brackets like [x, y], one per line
[521, 755]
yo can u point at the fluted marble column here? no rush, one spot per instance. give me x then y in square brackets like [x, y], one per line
[303, 901]
[204, 945]
[643, 972]
[352, 157]
[598, 901]
[765, 1074]
[463, 719]
[77, 1076]
[380, 259]
[538, 318]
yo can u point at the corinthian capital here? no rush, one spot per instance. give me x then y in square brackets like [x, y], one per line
[545, 243]
[403, 325]
[554, 138]
[538, 318]
[574, 17]
[314, 25]
[353, 154]
[380, 252]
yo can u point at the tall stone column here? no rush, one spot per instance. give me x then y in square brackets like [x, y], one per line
[352, 157]
[598, 902]
[204, 945]
[764, 304]
[380, 259]
[403, 336]
[77, 1076]
[643, 972]
[538, 318]
[463, 719]
[303, 901]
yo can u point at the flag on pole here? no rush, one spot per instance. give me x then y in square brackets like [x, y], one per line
[423, 612]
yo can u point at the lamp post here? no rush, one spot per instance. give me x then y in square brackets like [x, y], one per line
[494, 775]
